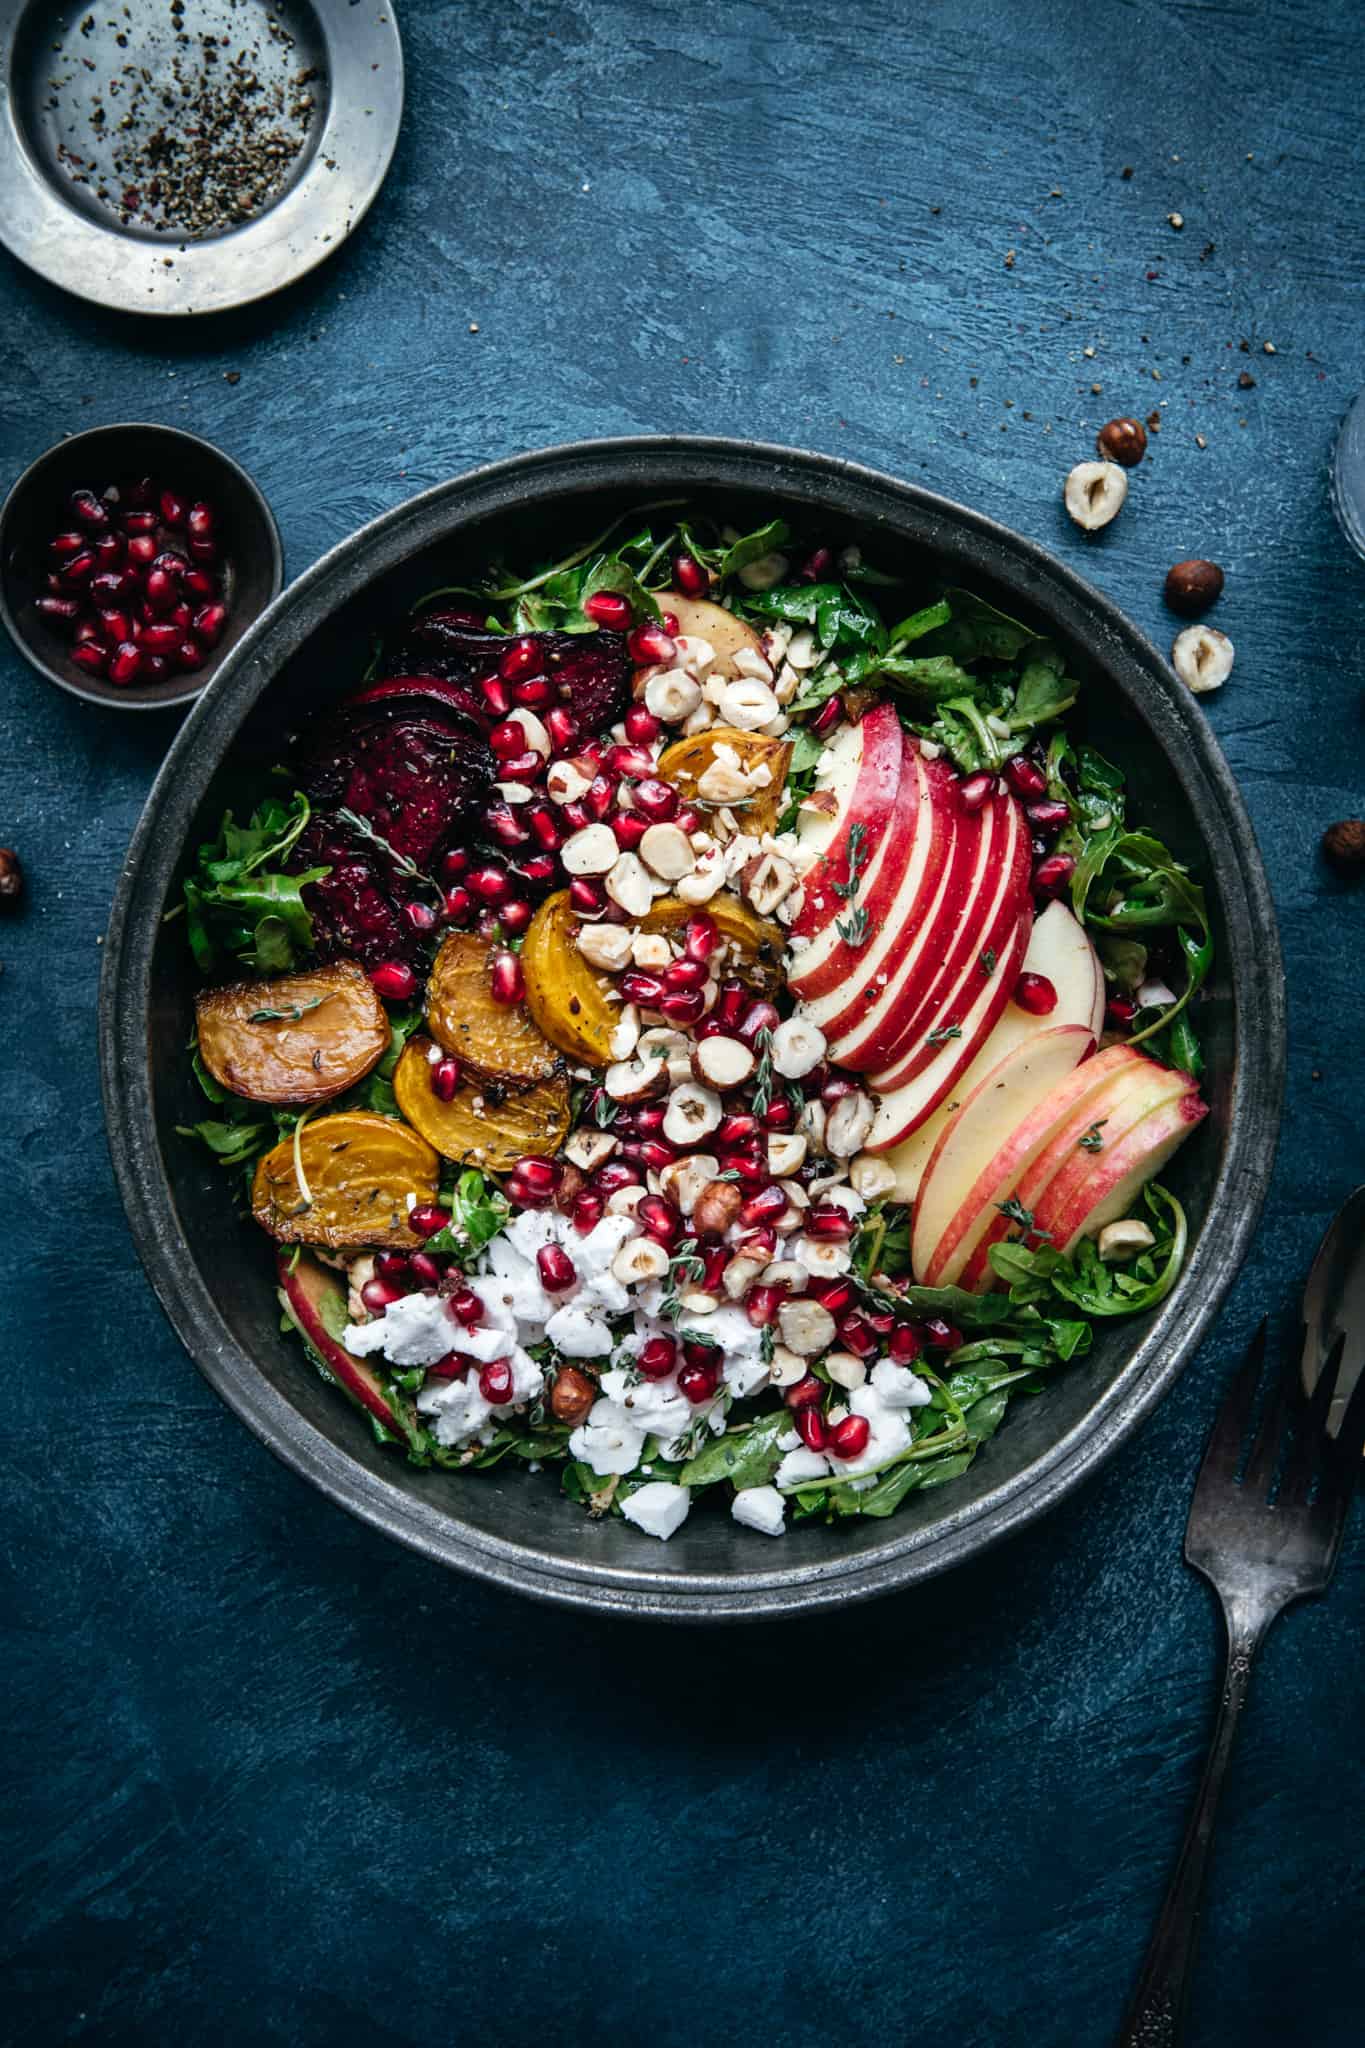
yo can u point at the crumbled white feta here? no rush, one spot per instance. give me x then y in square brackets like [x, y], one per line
[414, 1330]
[606, 1441]
[761, 1508]
[659, 1509]
[898, 1387]
[800, 1465]
[890, 1433]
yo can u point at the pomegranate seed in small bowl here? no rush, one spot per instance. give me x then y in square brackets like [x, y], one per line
[133, 517]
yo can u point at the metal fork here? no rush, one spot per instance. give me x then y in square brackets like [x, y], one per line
[1261, 1545]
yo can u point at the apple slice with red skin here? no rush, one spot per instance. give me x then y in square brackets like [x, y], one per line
[929, 898]
[1083, 1198]
[1130, 1092]
[970, 1157]
[314, 1299]
[904, 1111]
[863, 778]
[982, 938]
[1060, 950]
[828, 964]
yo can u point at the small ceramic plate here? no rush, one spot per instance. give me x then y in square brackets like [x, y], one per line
[128, 136]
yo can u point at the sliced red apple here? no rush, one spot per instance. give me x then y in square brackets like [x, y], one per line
[1060, 950]
[314, 1299]
[1130, 1091]
[966, 1162]
[982, 939]
[721, 629]
[858, 779]
[1079, 1203]
[930, 899]
[825, 962]
[952, 1052]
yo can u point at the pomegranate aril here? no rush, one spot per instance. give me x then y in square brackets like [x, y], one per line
[557, 1269]
[632, 761]
[445, 1079]
[736, 1129]
[835, 1087]
[1025, 777]
[649, 646]
[630, 828]
[111, 550]
[804, 1393]
[573, 817]
[63, 546]
[524, 767]
[80, 568]
[659, 1218]
[750, 1171]
[657, 1358]
[904, 1343]
[453, 864]
[173, 510]
[687, 974]
[451, 1367]
[762, 1303]
[204, 550]
[701, 937]
[515, 916]
[779, 1115]
[507, 739]
[1049, 816]
[615, 1175]
[155, 668]
[91, 511]
[638, 987]
[1035, 994]
[377, 1294]
[504, 824]
[812, 1428]
[466, 1307]
[141, 552]
[641, 725]
[588, 899]
[562, 727]
[209, 622]
[161, 590]
[656, 1153]
[763, 1207]
[975, 791]
[607, 608]
[199, 521]
[834, 1295]
[682, 1006]
[160, 638]
[759, 1017]
[112, 588]
[58, 611]
[587, 1212]
[496, 695]
[90, 656]
[391, 1265]
[523, 657]
[849, 1438]
[658, 800]
[425, 1270]
[1051, 876]
[828, 716]
[599, 797]
[535, 869]
[648, 1120]
[829, 1223]
[698, 1382]
[125, 663]
[141, 523]
[1120, 1010]
[87, 629]
[856, 1335]
[730, 1004]
[116, 626]
[495, 1381]
[189, 655]
[544, 827]
[198, 583]
[457, 905]
[506, 983]
[689, 575]
[394, 980]
[940, 1335]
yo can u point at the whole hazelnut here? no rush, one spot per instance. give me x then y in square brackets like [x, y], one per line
[572, 1395]
[1344, 846]
[1192, 586]
[1094, 493]
[1122, 441]
[11, 879]
[716, 1207]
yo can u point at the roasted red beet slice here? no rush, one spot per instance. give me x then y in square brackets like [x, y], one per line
[590, 672]
[352, 913]
[420, 782]
[415, 692]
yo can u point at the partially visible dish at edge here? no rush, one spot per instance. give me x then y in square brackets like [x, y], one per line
[699, 1015]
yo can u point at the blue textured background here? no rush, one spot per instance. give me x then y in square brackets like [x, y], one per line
[271, 1780]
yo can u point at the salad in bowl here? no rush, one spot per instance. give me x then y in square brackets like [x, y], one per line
[698, 1016]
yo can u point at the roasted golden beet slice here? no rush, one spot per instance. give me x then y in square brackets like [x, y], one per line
[706, 774]
[301, 1039]
[358, 1172]
[759, 939]
[564, 994]
[499, 1041]
[483, 1124]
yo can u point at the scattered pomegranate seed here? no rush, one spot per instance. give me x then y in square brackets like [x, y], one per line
[657, 1358]
[689, 575]
[63, 546]
[141, 553]
[757, 1018]
[562, 727]
[764, 1207]
[940, 1335]
[659, 1219]
[557, 1269]
[451, 1367]
[524, 767]
[496, 695]
[649, 645]
[91, 657]
[445, 1079]
[507, 739]
[607, 608]
[638, 987]
[159, 638]
[829, 1223]
[779, 1115]
[1049, 816]
[80, 568]
[111, 550]
[849, 1438]
[91, 511]
[615, 1175]
[598, 797]
[457, 906]
[495, 1381]
[394, 981]
[1051, 876]
[514, 916]
[699, 1382]
[904, 1343]
[116, 626]
[817, 565]
[189, 655]
[641, 725]
[856, 1334]
[974, 791]
[588, 899]
[1120, 1010]
[1035, 994]
[125, 663]
[521, 658]
[587, 1211]
[505, 980]
[466, 1307]
[805, 1392]
[629, 828]
[58, 611]
[139, 523]
[685, 974]
[834, 1295]
[425, 1270]
[200, 521]
[658, 800]
[828, 716]
[173, 510]
[377, 1294]
[533, 693]
[762, 1303]
[536, 868]
[635, 762]
[812, 1428]
[161, 591]
[735, 1129]
[682, 1006]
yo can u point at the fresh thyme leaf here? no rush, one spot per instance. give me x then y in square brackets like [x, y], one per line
[1092, 1141]
[858, 856]
[604, 1111]
[291, 1016]
[853, 928]
[763, 1074]
[987, 962]
[942, 1033]
[1017, 1213]
[404, 864]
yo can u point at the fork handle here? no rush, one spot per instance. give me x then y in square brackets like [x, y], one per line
[1156, 2015]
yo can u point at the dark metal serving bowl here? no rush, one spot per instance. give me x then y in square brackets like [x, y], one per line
[211, 1269]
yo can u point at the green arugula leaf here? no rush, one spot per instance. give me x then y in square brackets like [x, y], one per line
[746, 1457]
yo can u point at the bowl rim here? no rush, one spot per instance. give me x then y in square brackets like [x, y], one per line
[195, 685]
[1255, 981]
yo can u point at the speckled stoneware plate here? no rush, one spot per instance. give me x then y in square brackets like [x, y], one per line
[212, 1270]
[191, 155]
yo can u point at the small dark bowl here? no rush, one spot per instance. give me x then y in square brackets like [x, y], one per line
[211, 1268]
[252, 563]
